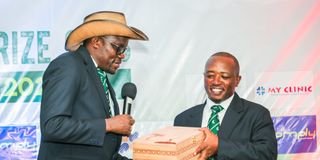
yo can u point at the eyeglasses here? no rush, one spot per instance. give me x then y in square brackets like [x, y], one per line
[119, 49]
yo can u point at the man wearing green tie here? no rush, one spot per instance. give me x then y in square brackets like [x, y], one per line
[79, 115]
[235, 128]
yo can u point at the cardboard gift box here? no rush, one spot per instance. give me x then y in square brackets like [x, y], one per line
[169, 143]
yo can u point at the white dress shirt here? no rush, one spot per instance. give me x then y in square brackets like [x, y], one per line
[207, 110]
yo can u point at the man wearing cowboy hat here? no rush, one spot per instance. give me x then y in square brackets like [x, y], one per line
[79, 116]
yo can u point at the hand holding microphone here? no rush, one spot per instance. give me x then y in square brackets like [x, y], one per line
[122, 124]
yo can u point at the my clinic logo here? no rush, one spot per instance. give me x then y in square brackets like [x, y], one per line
[284, 90]
[260, 90]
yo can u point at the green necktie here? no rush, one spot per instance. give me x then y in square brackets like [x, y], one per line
[102, 76]
[213, 123]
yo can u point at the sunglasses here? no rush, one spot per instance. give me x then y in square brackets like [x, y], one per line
[119, 49]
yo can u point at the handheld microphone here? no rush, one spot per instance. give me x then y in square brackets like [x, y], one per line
[128, 93]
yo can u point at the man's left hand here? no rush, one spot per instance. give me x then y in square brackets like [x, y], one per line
[209, 146]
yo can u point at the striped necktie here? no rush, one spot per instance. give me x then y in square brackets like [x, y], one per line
[102, 76]
[214, 123]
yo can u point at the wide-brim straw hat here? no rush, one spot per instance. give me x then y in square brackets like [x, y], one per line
[102, 23]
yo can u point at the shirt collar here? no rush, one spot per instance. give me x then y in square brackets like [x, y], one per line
[225, 104]
[96, 65]
[94, 62]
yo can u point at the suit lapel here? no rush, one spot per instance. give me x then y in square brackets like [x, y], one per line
[198, 117]
[232, 116]
[195, 119]
[113, 97]
[92, 71]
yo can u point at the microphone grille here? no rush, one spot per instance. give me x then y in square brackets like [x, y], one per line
[129, 90]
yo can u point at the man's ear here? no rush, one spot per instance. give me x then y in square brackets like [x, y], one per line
[238, 80]
[95, 42]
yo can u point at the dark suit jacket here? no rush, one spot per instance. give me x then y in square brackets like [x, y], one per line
[73, 109]
[246, 132]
